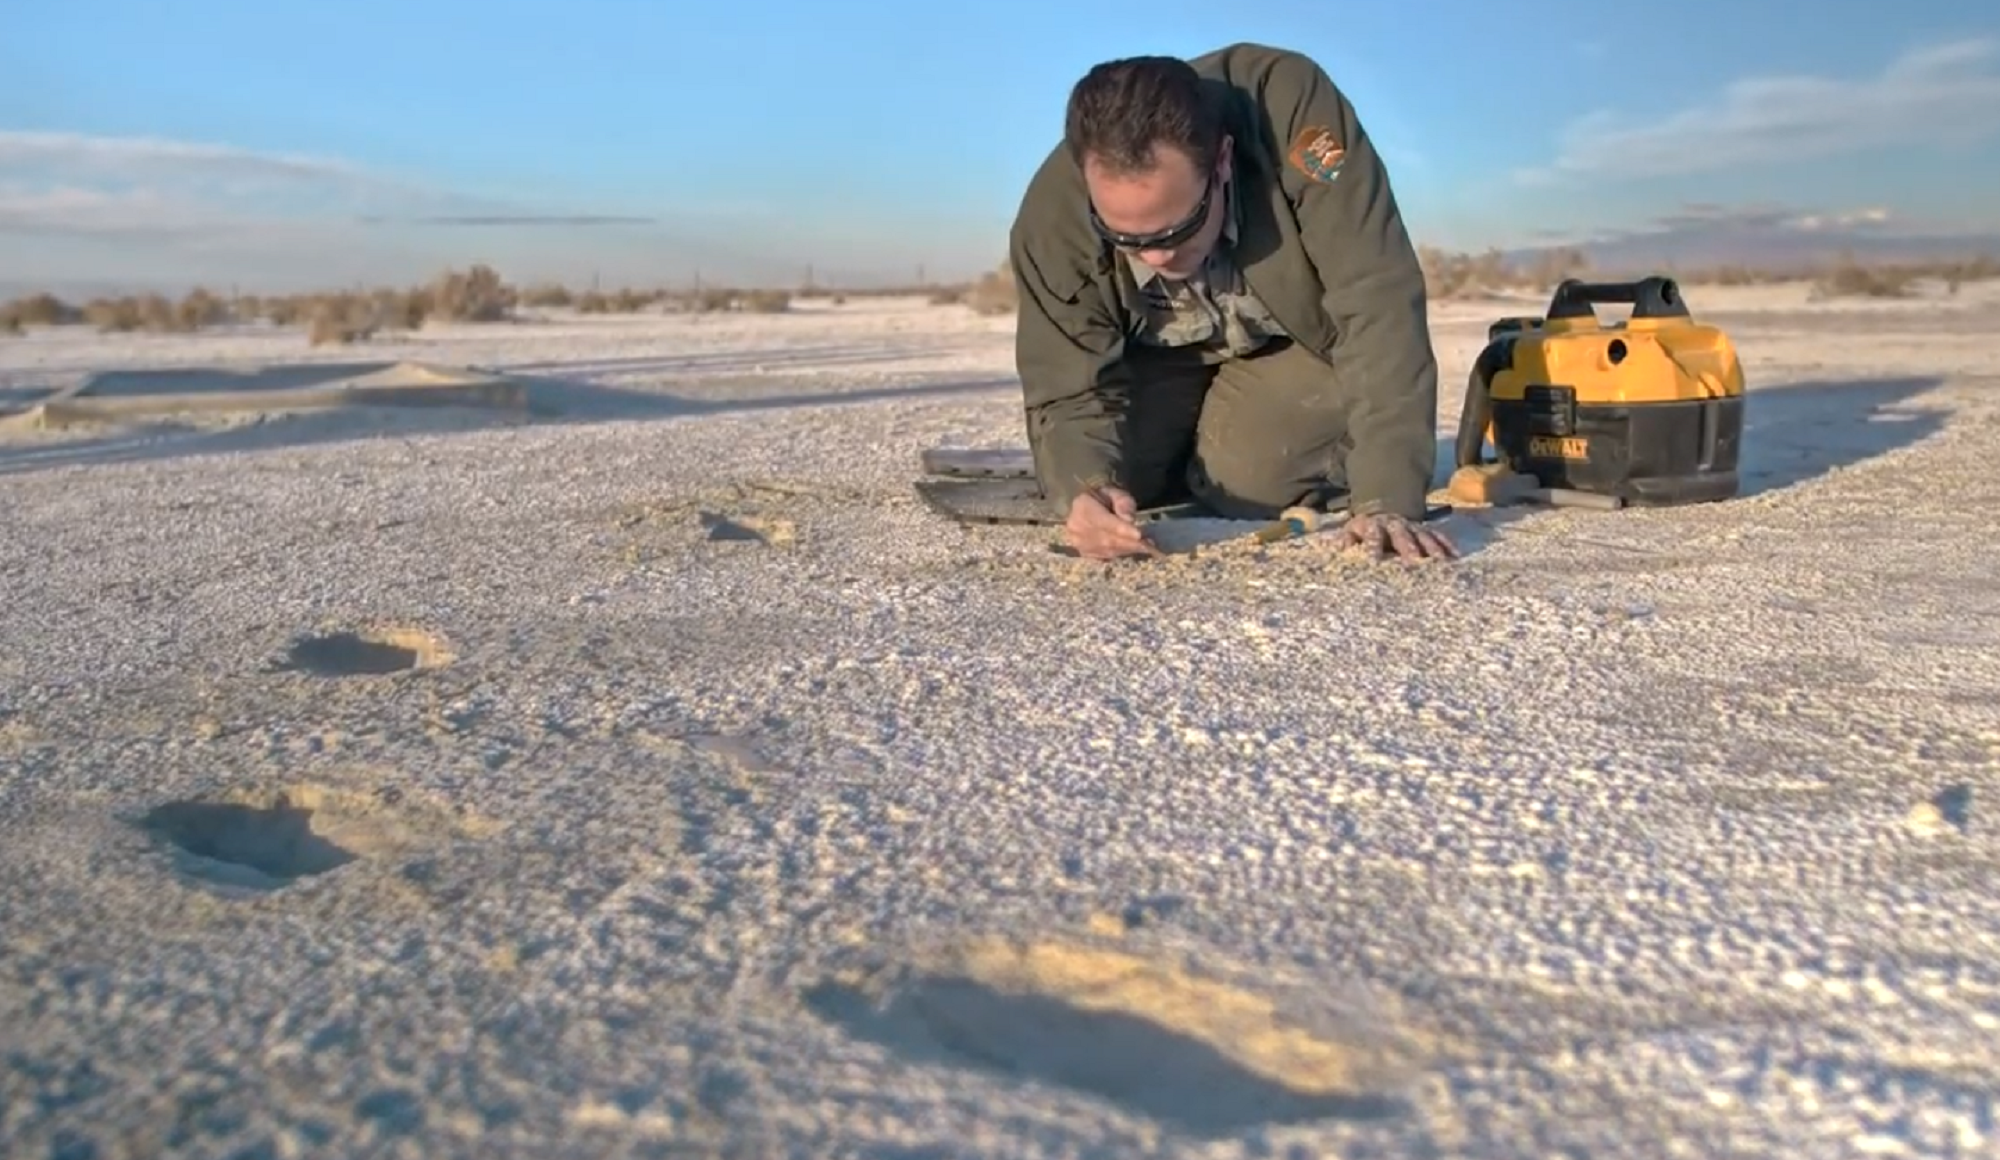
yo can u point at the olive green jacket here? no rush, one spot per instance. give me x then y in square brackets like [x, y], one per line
[1331, 259]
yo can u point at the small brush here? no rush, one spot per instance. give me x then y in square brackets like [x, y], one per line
[1292, 522]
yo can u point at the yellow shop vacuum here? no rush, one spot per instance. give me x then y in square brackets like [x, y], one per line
[1647, 412]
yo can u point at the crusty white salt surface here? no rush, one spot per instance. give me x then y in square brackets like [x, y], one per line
[737, 805]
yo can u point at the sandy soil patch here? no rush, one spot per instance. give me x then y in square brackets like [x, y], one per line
[659, 776]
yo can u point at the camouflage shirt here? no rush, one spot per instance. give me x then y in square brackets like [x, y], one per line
[1213, 310]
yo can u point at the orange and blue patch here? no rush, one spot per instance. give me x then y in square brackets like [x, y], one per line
[1317, 153]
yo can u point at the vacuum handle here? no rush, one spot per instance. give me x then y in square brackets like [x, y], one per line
[1477, 413]
[1656, 296]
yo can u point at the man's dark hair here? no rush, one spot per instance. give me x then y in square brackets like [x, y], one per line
[1122, 109]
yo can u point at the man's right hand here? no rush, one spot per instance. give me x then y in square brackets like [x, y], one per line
[1101, 526]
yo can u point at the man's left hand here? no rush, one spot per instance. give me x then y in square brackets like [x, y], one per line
[1385, 533]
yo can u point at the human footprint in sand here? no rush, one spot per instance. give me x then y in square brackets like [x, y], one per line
[1219, 302]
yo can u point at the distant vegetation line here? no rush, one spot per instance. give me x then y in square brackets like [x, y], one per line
[1450, 274]
[480, 294]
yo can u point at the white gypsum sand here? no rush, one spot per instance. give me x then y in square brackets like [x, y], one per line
[663, 777]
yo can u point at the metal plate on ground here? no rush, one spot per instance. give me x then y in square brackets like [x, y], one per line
[1014, 501]
[988, 501]
[980, 462]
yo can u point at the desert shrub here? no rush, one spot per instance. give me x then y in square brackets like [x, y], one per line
[1449, 274]
[43, 310]
[159, 315]
[113, 315]
[10, 321]
[290, 310]
[547, 294]
[328, 329]
[1848, 278]
[199, 309]
[1445, 274]
[622, 302]
[994, 292]
[396, 309]
[476, 295]
[1733, 275]
[948, 296]
[341, 320]
[1548, 269]
[1982, 268]
[152, 313]
[766, 301]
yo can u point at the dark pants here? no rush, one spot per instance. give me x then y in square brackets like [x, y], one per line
[1246, 438]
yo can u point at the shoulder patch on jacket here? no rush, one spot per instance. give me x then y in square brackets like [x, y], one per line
[1317, 153]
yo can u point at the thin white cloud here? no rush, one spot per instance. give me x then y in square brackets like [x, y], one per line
[1873, 217]
[1772, 216]
[124, 156]
[80, 184]
[1946, 95]
[141, 213]
[1764, 220]
[75, 206]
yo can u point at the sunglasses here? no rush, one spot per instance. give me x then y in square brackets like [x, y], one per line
[1165, 239]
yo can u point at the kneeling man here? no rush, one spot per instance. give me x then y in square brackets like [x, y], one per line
[1219, 302]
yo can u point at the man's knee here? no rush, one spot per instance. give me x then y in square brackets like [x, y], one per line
[1273, 436]
[1252, 482]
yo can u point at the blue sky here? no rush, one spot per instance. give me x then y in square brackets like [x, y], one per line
[218, 141]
